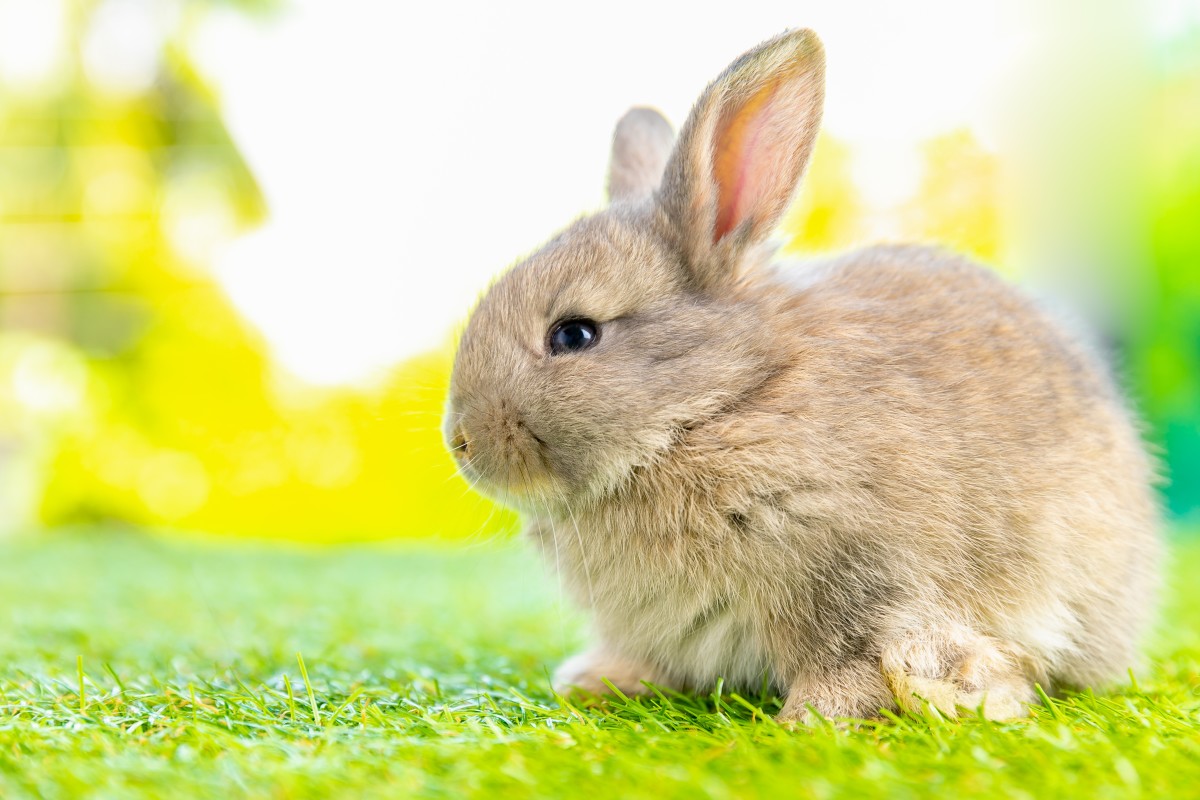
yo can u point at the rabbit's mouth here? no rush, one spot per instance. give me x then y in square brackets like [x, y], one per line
[501, 456]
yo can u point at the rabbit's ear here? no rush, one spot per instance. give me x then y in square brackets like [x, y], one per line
[640, 149]
[742, 151]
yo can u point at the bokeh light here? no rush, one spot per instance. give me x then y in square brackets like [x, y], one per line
[237, 238]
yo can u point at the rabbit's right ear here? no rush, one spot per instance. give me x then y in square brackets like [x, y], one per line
[640, 149]
[741, 154]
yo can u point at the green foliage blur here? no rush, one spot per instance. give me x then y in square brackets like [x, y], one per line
[131, 390]
[1164, 352]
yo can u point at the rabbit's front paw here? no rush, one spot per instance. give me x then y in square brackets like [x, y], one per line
[954, 668]
[588, 671]
[855, 690]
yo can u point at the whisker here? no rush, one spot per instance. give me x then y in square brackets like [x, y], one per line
[412, 412]
[587, 569]
[558, 578]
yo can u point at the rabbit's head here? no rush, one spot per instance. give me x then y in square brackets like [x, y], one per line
[601, 349]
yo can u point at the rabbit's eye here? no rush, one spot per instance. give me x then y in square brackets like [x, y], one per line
[573, 335]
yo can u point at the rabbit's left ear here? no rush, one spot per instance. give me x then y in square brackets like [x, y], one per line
[742, 152]
[641, 145]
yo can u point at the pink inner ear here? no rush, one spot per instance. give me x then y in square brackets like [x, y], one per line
[747, 148]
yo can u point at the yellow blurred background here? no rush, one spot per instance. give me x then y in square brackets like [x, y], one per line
[192, 337]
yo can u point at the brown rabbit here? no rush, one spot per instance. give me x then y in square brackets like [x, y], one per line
[875, 479]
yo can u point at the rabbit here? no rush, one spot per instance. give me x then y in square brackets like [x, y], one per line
[879, 481]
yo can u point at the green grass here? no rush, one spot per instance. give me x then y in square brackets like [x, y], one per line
[134, 666]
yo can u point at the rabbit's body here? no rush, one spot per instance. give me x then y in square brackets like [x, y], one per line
[914, 493]
[877, 478]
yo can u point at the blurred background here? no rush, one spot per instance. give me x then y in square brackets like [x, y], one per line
[237, 236]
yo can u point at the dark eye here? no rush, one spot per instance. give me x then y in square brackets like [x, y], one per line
[573, 335]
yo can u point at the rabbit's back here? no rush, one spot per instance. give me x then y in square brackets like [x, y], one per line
[990, 447]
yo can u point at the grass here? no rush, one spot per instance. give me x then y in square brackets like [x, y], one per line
[132, 666]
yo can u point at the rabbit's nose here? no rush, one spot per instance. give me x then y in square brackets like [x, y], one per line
[460, 445]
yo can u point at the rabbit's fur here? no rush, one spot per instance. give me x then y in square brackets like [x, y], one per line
[875, 480]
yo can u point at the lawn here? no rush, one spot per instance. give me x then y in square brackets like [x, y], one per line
[133, 665]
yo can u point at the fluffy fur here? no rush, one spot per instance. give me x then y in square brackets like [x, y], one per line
[641, 146]
[878, 480]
